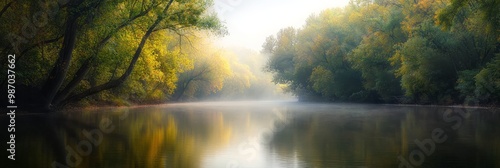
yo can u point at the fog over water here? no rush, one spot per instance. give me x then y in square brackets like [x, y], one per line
[265, 134]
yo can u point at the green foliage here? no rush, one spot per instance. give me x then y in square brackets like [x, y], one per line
[466, 85]
[488, 9]
[322, 82]
[122, 52]
[312, 61]
[424, 70]
[282, 55]
[488, 82]
[371, 56]
[393, 51]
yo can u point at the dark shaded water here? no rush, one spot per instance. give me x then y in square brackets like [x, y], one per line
[259, 134]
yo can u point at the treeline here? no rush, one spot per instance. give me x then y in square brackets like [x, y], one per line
[114, 52]
[393, 51]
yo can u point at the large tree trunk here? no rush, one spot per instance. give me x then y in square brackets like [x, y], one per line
[87, 65]
[117, 82]
[77, 78]
[58, 73]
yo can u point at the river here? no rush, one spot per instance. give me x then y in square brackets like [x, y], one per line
[254, 134]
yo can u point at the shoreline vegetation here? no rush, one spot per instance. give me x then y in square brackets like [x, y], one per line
[389, 51]
[123, 53]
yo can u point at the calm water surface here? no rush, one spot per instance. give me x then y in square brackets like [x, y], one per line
[259, 134]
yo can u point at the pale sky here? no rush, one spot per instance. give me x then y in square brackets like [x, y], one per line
[249, 22]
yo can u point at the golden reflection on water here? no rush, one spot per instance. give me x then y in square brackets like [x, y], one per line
[256, 134]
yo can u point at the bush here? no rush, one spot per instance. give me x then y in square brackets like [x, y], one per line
[488, 82]
[466, 85]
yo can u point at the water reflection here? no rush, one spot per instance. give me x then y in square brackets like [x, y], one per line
[182, 135]
[257, 134]
[374, 136]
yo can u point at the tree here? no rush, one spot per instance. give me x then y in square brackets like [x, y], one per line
[103, 23]
[382, 27]
[425, 74]
[393, 51]
[460, 51]
[281, 52]
[323, 82]
[488, 9]
[487, 85]
[207, 76]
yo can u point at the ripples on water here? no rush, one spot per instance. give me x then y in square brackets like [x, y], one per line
[259, 134]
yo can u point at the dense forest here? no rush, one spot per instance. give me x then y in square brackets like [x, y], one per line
[103, 52]
[393, 51]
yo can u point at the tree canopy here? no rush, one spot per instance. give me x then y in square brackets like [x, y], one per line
[92, 52]
[392, 51]
[70, 50]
